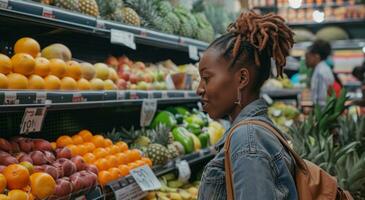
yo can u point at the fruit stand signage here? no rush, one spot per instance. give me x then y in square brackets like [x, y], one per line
[122, 37]
[130, 192]
[145, 178]
[32, 120]
[149, 107]
[184, 171]
[10, 98]
[193, 52]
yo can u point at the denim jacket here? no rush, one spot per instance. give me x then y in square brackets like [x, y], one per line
[262, 169]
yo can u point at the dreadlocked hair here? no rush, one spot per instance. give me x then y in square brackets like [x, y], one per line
[255, 39]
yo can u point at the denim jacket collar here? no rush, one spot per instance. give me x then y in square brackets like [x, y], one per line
[254, 109]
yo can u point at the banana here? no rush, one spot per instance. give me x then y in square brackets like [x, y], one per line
[185, 195]
[169, 176]
[174, 196]
[175, 184]
[193, 191]
[162, 196]
[151, 195]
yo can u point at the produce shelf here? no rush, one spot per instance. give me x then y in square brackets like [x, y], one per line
[14, 101]
[282, 93]
[60, 18]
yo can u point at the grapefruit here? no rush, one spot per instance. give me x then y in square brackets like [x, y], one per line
[41, 66]
[4, 83]
[88, 71]
[68, 83]
[36, 82]
[17, 81]
[57, 51]
[27, 45]
[17, 176]
[52, 82]
[57, 67]
[5, 64]
[73, 70]
[102, 71]
[23, 63]
[97, 84]
[109, 85]
[113, 75]
[42, 184]
[83, 84]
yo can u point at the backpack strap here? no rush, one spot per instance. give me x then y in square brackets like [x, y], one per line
[227, 158]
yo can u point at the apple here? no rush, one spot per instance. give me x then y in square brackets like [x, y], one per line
[63, 188]
[148, 78]
[38, 158]
[125, 60]
[133, 78]
[139, 65]
[24, 157]
[112, 61]
[63, 153]
[132, 86]
[41, 145]
[122, 84]
[79, 162]
[5, 145]
[125, 75]
[142, 85]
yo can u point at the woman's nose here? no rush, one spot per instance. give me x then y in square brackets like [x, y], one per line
[200, 90]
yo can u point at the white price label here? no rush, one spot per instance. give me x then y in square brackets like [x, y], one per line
[193, 52]
[122, 37]
[4, 3]
[268, 99]
[149, 107]
[184, 171]
[100, 24]
[40, 98]
[32, 120]
[145, 178]
[130, 192]
[170, 83]
[48, 12]
[77, 97]
[120, 95]
[10, 98]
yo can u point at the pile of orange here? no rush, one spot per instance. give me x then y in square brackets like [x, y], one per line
[23, 185]
[26, 69]
[112, 160]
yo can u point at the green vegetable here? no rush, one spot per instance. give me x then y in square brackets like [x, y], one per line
[194, 128]
[179, 118]
[182, 111]
[194, 119]
[165, 118]
[182, 135]
[204, 139]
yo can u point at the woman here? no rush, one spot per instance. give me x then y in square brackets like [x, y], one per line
[232, 70]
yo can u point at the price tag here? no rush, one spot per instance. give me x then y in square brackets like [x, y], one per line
[130, 192]
[149, 107]
[170, 83]
[32, 120]
[77, 97]
[10, 98]
[40, 98]
[184, 170]
[120, 95]
[4, 3]
[186, 94]
[193, 52]
[100, 24]
[48, 12]
[268, 99]
[145, 178]
[122, 37]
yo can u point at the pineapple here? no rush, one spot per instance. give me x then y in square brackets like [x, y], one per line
[126, 15]
[164, 8]
[173, 21]
[108, 7]
[68, 4]
[89, 7]
[158, 154]
[205, 31]
[147, 10]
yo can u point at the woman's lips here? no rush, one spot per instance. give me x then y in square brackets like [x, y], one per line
[205, 104]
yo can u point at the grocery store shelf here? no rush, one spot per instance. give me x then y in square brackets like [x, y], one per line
[282, 93]
[352, 22]
[322, 5]
[14, 101]
[337, 45]
[60, 18]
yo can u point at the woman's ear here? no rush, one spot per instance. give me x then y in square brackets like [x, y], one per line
[244, 77]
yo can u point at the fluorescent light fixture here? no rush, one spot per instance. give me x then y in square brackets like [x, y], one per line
[295, 3]
[318, 16]
[363, 49]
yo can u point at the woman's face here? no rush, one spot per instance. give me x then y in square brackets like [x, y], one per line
[218, 85]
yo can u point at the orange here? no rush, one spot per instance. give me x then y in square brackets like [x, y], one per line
[147, 161]
[54, 145]
[17, 81]
[42, 184]
[73, 70]
[83, 84]
[42, 66]
[89, 158]
[27, 45]
[4, 82]
[113, 161]
[57, 67]
[108, 143]
[86, 135]
[109, 85]
[115, 149]
[115, 172]
[100, 152]
[4, 197]
[75, 150]
[18, 195]
[68, 83]
[5, 64]
[132, 165]
[108, 150]
[102, 164]
[98, 140]
[140, 162]
[36, 82]
[89, 146]
[82, 149]
[122, 158]
[77, 139]
[2, 183]
[104, 177]
[23, 63]
[52, 82]
[64, 141]
[124, 170]
[123, 146]
[97, 84]
[136, 154]
[17, 176]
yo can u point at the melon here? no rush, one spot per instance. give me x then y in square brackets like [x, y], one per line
[57, 51]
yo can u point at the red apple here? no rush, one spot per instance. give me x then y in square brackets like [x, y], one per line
[122, 84]
[14, 147]
[38, 157]
[49, 156]
[63, 188]
[133, 78]
[139, 65]
[52, 170]
[125, 60]
[68, 166]
[42, 145]
[8, 160]
[79, 162]
[2, 167]
[112, 61]
[92, 169]
[25, 144]
[63, 153]
[5, 145]
[24, 157]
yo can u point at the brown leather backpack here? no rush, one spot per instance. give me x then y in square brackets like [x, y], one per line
[312, 182]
